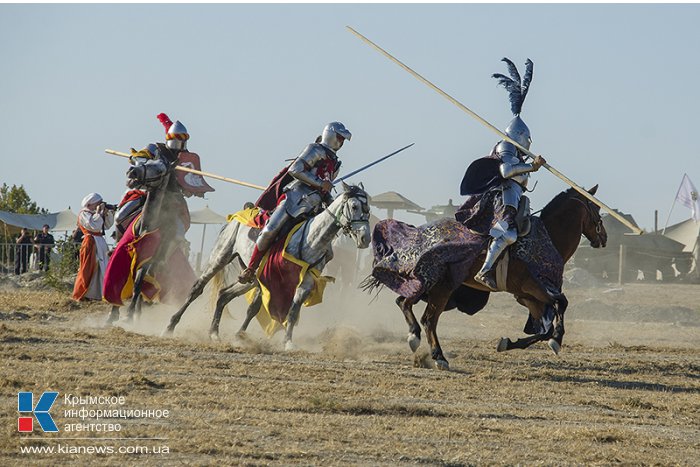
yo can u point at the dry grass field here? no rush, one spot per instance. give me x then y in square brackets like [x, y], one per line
[624, 390]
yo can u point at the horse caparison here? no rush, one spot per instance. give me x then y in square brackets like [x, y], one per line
[349, 213]
[568, 216]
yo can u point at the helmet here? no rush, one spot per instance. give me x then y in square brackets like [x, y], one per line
[177, 137]
[334, 134]
[519, 132]
[176, 134]
[517, 91]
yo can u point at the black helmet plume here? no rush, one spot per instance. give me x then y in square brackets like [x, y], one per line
[517, 89]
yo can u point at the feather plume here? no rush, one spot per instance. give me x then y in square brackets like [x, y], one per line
[512, 70]
[165, 120]
[517, 89]
[527, 79]
[514, 93]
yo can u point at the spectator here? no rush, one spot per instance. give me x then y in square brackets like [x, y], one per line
[44, 243]
[23, 251]
[93, 219]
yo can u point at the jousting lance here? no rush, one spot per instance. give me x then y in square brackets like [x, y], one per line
[194, 171]
[505, 137]
[365, 167]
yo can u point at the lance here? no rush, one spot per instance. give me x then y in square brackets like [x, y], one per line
[365, 167]
[194, 171]
[505, 137]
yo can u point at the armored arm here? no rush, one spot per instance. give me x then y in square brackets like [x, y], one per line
[511, 165]
[302, 167]
[127, 210]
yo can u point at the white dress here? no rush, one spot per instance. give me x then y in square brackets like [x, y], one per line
[95, 224]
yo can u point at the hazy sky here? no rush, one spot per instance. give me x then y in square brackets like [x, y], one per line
[614, 99]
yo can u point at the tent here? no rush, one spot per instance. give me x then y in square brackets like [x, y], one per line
[392, 201]
[205, 216]
[687, 233]
[62, 221]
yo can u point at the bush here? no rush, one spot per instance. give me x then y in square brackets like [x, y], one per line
[61, 273]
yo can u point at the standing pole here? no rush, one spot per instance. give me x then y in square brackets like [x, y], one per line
[505, 137]
[656, 221]
[201, 249]
[622, 265]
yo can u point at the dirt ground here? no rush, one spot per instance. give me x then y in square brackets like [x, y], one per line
[625, 388]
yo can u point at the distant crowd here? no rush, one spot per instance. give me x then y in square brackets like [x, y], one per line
[41, 245]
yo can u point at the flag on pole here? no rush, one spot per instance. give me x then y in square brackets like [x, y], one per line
[688, 196]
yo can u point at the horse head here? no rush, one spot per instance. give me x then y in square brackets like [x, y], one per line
[592, 226]
[147, 175]
[353, 215]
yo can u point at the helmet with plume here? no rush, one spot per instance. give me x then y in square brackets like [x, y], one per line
[517, 91]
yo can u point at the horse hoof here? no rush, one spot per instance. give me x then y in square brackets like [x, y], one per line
[167, 333]
[289, 346]
[502, 344]
[441, 364]
[214, 336]
[554, 345]
[413, 341]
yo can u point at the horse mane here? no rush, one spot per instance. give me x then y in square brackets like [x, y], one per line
[556, 203]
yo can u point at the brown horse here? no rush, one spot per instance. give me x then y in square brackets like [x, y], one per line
[568, 216]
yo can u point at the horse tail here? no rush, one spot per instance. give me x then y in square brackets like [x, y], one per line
[222, 276]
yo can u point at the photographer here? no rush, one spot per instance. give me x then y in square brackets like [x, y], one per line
[94, 218]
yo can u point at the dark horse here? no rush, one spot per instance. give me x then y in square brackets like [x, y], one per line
[164, 200]
[568, 216]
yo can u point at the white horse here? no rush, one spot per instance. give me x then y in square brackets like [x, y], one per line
[311, 243]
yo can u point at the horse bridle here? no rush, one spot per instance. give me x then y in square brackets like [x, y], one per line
[591, 212]
[348, 227]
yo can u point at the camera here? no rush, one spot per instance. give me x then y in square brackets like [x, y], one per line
[110, 207]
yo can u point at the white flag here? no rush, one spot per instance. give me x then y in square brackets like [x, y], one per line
[688, 197]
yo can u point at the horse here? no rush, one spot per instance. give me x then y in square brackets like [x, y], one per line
[568, 216]
[349, 213]
[163, 199]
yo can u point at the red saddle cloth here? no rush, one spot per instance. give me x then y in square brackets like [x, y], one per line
[171, 283]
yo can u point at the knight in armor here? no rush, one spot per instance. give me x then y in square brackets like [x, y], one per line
[133, 199]
[148, 168]
[501, 179]
[299, 191]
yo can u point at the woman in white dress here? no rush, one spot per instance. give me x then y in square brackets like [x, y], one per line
[94, 218]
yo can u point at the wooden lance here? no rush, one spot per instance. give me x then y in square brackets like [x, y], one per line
[505, 137]
[198, 172]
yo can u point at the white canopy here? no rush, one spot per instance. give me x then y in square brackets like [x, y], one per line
[686, 232]
[206, 216]
[63, 220]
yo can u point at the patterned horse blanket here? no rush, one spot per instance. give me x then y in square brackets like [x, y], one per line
[411, 260]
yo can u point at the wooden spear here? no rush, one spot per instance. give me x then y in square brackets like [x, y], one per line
[198, 172]
[563, 177]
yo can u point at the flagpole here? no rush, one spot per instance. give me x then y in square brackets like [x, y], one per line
[669, 215]
[674, 203]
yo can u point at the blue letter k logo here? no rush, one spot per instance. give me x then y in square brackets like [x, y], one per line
[25, 403]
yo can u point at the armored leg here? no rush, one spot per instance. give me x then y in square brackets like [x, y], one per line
[265, 240]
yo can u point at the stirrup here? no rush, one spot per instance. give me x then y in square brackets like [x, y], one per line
[487, 279]
[247, 276]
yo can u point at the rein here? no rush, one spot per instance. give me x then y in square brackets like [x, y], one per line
[589, 208]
